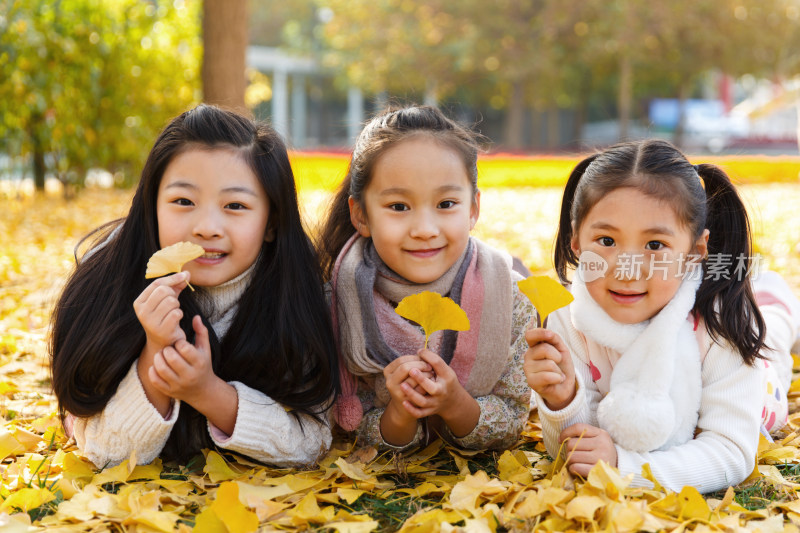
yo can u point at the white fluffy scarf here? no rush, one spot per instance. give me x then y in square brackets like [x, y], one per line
[655, 386]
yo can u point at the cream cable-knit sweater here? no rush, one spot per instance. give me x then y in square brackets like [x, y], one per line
[264, 430]
[721, 454]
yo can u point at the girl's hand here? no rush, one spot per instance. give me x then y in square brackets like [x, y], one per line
[548, 368]
[444, 396]
[398, 376]
[184, 371]
[585, 446]
[159, 311]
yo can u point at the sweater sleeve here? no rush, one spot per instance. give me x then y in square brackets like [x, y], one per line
[723, 451]
[583, 408]
[504, 411]
[128, 423]
[269, 433]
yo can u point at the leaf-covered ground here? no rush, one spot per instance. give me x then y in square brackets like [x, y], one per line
[47, 484]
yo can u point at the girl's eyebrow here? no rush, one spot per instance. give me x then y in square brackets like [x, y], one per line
[655, 230]
[187, 185]
[660, 230]
[401, 190]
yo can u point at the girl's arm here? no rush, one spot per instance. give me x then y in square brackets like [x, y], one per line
[269, 433]
[724, 451]
[129, 423]
[583, 407]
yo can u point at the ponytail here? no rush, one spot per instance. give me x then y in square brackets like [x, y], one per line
[336, 230]
[564, 256]
[725, 299]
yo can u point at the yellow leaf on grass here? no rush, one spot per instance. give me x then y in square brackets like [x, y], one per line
[349, 495]
[353, 471]
[465, 494]
[230, 510]
[115, 474]
[208, 522]
[8, 444]
[545, 293]
[433, 312]
[172, 258]
[353, 527]
[217, 469]
[27, 499]
[511, 469]
[583, 507]
[693, 505]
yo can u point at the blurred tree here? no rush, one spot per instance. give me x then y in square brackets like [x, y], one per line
[225, 38]
[85, 83]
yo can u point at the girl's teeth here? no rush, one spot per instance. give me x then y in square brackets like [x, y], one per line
[212, 255]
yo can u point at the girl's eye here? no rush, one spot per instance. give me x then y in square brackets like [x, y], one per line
[398, 207]
[606, 241]
[447, 204]
[236, 206]
[654, 245]
[182, 202]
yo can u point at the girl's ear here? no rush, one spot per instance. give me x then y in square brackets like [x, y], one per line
[269, 235]
[358, 217]
[701, 245]
[475, 209]
[573, 242]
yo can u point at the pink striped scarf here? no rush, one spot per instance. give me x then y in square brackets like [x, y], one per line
[370, 334]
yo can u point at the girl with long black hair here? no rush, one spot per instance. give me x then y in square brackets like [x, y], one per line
[245, 362]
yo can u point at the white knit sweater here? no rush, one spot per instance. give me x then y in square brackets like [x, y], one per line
[723, 451]
[264, 430]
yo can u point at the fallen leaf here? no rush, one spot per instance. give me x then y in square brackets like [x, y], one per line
[230, 510]
[433, 312]
[546, 295]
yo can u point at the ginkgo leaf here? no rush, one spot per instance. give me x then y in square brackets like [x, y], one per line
[230, 510]
[546, 295]
[172, 258]
[433, 312]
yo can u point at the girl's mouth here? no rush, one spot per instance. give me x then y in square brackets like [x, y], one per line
[211, 257]
[626, 298]
[424, 254]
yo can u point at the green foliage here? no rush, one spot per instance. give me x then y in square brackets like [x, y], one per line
[89, 83]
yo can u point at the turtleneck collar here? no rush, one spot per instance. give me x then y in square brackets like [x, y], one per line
[219, 303]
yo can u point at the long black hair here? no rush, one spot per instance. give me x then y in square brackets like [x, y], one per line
[725, 300]
[381, 133]
[280, 341]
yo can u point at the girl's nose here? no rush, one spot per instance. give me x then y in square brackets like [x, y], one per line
[424, 225]
[208, 225]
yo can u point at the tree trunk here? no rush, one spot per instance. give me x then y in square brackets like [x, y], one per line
[225, 39]
[39, 168]
[553, 128]
[515, 119]
[680, 127]
[625, 95]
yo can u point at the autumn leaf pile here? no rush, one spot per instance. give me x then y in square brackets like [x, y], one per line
[46, 483]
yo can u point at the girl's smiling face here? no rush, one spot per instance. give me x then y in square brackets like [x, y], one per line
[647, 249]
[418, 207]
[212, 198]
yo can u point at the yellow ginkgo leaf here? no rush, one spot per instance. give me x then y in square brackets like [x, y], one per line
[230, 510]
[433, 312]
[172, 258]
[546, 295]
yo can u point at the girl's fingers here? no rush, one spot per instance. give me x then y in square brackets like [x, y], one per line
[415, 397]
[177, 363]
[576, 431]
[162, 367]
[536, 335]
[201, 335]
[545, 379]
[157, 381]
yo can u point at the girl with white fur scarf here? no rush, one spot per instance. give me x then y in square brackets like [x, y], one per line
[667, 356]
